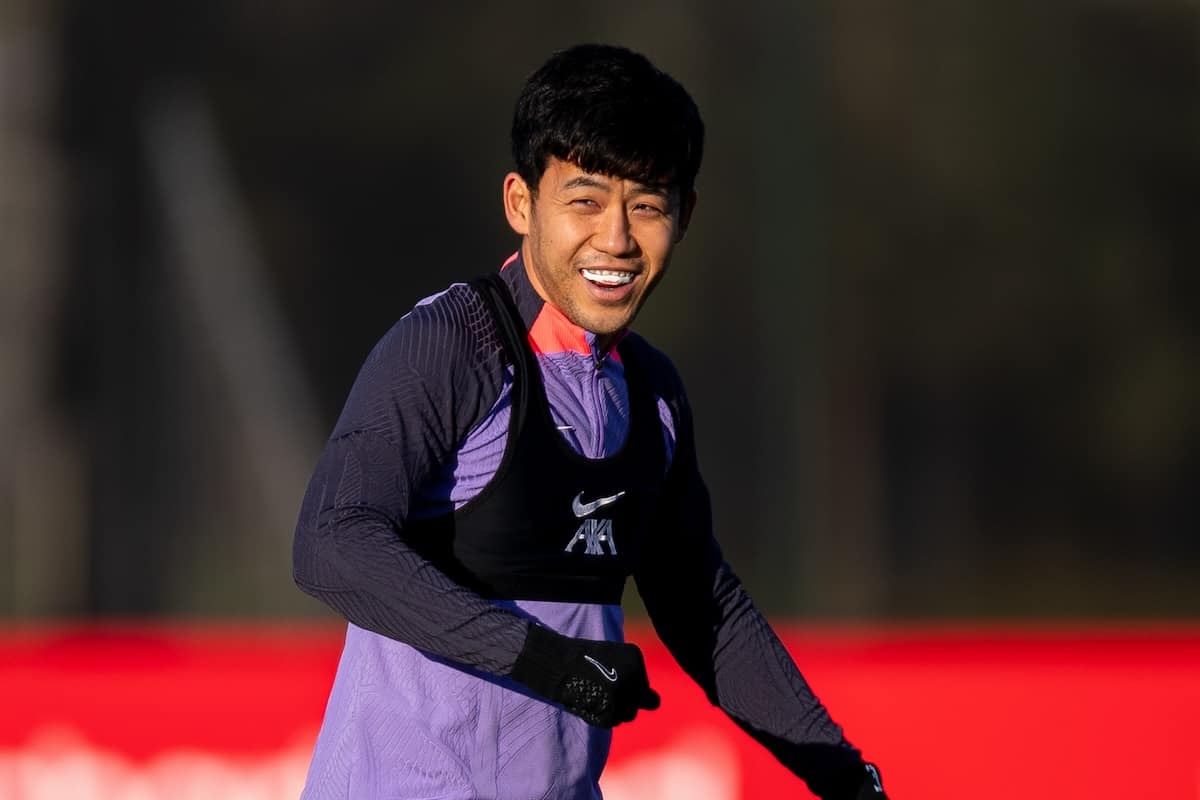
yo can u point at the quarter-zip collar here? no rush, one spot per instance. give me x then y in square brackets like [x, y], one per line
[550, 331]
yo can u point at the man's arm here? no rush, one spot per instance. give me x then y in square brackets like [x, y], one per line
[431, 379]
[706, 619]
[423, 386]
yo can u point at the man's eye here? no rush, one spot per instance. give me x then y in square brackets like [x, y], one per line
[585, 202]
[648, 209]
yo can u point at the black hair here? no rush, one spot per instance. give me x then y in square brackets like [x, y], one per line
[608, 110]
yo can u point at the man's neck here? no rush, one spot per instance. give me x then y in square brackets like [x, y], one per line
[601, 343]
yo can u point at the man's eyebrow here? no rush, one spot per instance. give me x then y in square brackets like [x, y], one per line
[595, 182]
[585, 182]
[657, 189]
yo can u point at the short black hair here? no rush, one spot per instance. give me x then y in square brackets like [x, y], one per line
[608, 110]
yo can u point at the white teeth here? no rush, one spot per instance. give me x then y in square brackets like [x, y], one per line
[607, 277]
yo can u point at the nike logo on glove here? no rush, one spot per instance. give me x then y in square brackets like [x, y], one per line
[874, 773]
[609, 673]
[582, 509]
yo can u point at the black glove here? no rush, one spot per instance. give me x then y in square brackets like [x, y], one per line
[871, 787]
[605, 683]
[835, 772]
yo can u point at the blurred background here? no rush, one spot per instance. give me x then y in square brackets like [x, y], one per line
[938, 313]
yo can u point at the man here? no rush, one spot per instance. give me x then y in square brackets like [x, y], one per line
[508, 455]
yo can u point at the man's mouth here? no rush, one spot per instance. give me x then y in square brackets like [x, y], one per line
[607, 277]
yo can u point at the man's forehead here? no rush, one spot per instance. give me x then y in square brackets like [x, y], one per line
[569, 175]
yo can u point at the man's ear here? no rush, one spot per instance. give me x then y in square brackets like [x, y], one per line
[518, 203]
[686, 206]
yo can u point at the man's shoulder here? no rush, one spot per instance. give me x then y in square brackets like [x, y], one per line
[441, 329]
[658, 367]
[437, 369]
[454, 308]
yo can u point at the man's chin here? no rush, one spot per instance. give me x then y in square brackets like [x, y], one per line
[607, 325]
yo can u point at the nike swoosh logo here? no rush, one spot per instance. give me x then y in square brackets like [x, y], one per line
[609, 673]
[874, 776]
[582, 509]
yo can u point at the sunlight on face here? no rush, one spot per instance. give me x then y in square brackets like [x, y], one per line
[595, 245]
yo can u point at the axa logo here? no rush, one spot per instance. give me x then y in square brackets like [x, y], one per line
[596, 535]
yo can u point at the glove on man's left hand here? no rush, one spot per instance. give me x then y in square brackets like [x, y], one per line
[853, 780]
[871, 787]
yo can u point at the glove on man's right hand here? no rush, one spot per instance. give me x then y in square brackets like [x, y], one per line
[605, 683]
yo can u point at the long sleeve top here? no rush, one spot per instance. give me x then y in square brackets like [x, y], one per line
[423, 698]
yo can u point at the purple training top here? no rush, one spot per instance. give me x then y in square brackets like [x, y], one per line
[421, 705]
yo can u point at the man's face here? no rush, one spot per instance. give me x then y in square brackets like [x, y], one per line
[594, 245]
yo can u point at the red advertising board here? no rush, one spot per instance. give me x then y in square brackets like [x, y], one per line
[123, 711]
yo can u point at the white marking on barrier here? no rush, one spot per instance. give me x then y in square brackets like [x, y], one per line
[58, 764]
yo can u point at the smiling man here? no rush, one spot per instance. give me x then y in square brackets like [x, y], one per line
[595, 245]
[509, 455]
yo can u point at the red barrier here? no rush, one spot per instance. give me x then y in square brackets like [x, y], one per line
[120, 712]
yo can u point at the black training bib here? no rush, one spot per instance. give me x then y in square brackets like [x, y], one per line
[552, 524]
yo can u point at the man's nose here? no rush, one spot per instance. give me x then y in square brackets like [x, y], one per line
[614, 234]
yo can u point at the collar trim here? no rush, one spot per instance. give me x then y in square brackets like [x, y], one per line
[550, 331]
